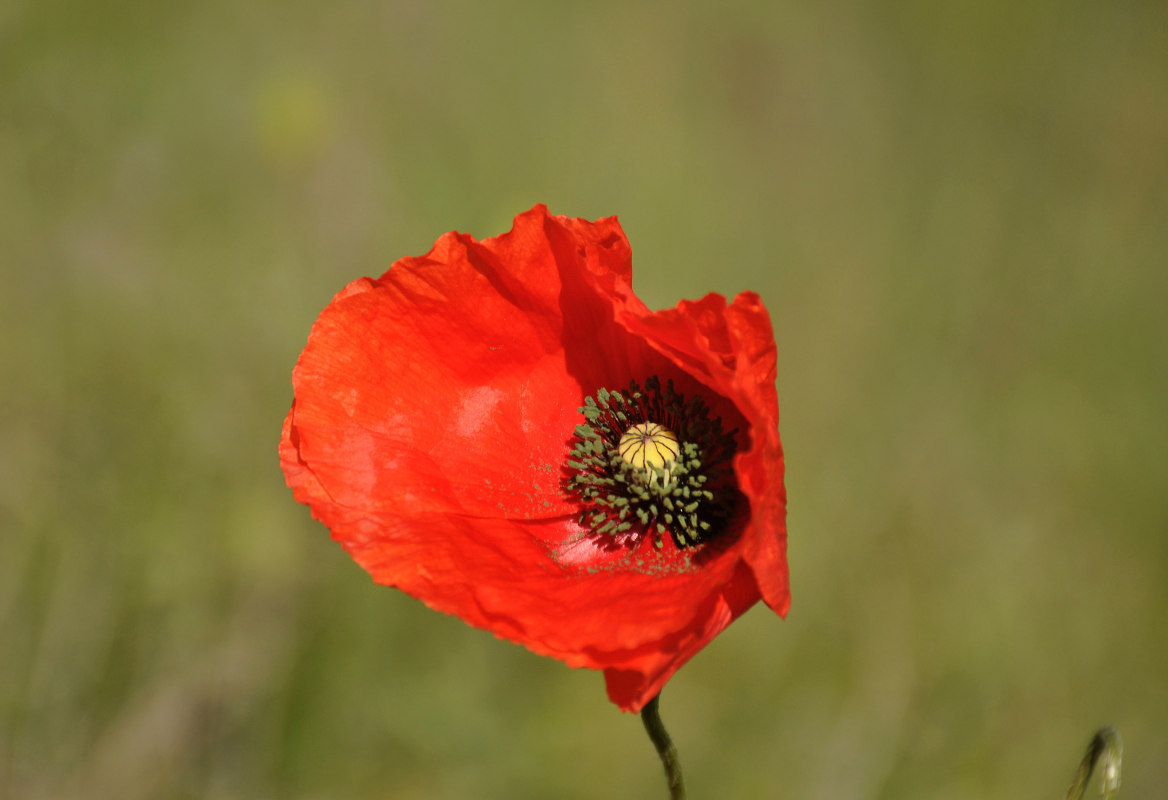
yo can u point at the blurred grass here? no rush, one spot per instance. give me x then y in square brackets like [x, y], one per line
[955, 213]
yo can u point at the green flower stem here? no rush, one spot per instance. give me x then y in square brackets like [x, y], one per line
[1106, 746]
[660, 738]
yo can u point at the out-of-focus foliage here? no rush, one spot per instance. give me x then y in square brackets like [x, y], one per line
[956, 213]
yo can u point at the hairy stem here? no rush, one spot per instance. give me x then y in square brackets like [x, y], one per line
[665, 748]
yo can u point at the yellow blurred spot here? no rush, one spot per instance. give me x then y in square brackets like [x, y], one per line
[293, 119]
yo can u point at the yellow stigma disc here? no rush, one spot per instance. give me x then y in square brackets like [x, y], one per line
[649, 445]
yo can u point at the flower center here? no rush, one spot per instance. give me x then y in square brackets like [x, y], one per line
[649, 445]
[652, 462]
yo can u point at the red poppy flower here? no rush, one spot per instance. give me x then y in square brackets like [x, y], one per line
[504, 431]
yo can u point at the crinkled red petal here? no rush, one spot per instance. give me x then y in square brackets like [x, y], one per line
[731, 349]
[434, 409]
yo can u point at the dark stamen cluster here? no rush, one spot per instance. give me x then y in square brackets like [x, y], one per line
[689, 499]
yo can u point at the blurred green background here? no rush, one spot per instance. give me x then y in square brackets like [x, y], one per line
[957, 213]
